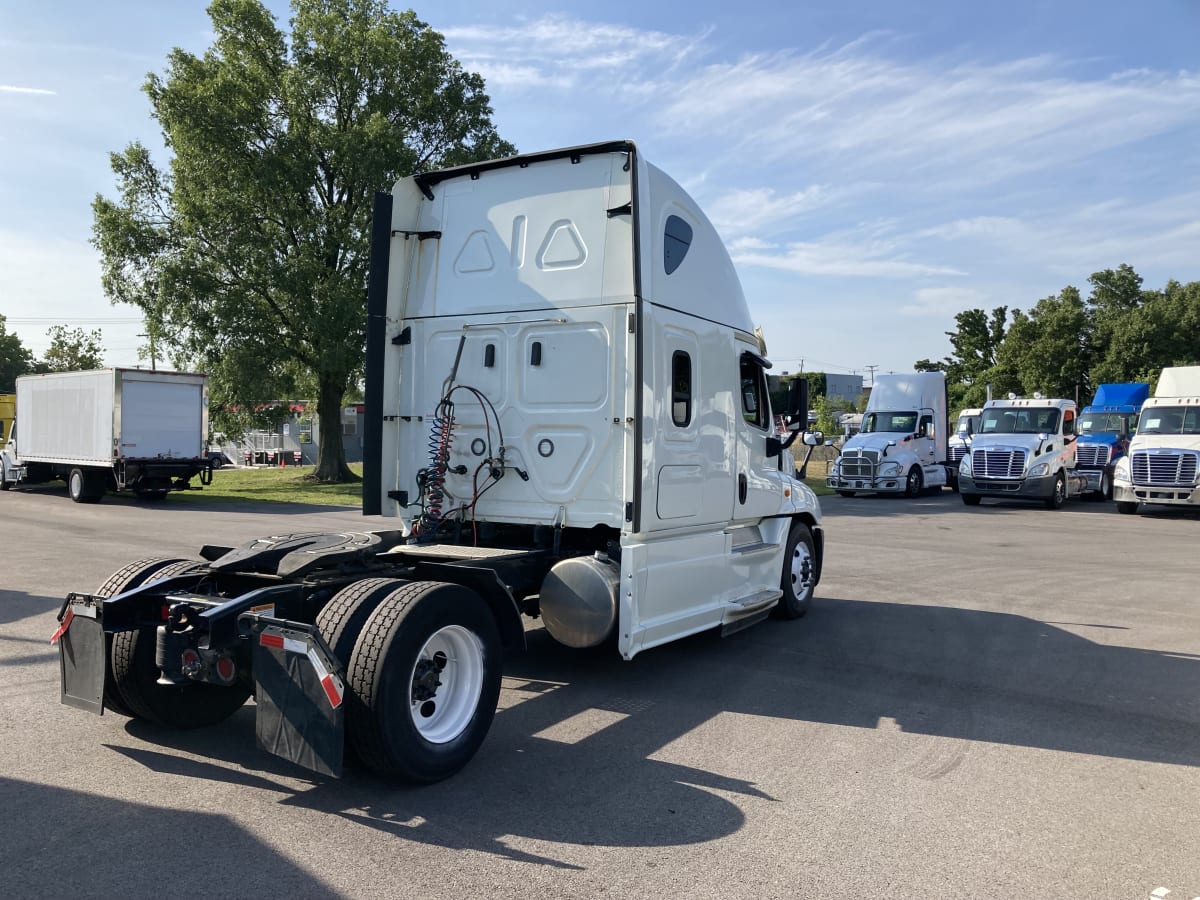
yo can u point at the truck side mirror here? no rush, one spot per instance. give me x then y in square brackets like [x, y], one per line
[798, 404]
[814, 439]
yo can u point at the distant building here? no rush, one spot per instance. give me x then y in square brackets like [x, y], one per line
[848, 387]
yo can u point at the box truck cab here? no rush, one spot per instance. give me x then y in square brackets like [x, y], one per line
[1105, 428]
[1024, 450]
[567, 417]
[8, 412]
[960, 441]
[901, 447]
[1161, 465]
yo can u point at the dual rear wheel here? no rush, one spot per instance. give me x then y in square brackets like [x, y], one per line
[423, 663]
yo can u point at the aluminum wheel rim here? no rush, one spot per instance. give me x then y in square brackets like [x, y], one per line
[442, 717]
[76, 484]
[802, 570]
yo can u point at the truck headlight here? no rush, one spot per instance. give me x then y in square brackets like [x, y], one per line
[1039, 470]
[890, 469]
[1121, 471]
[964, 467]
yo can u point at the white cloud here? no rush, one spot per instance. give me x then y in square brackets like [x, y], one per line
[751, 209]
[560, 52]
[14, 89]
[944, 302]
[838, 259]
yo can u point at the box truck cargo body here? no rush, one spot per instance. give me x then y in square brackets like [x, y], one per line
[567, 418]
[109, 429]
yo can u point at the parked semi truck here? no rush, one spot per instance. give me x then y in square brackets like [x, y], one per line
[1024, 450]
[1161, 466]
[959, 444]
[1105, 428]
[901, 447]
[566, 416]
[109, 429]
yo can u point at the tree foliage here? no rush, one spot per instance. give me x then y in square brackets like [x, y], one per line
[15, 358]
[1066, 345]
[73, 350]
[249, 250]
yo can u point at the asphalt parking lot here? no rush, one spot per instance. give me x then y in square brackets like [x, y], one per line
[998, 701]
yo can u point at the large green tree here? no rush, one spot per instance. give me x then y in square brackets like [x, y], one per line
[15, 358]
[73, 350]
[971, 366]
[248, 251]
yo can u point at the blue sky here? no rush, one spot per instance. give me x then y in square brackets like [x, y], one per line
[874, 166]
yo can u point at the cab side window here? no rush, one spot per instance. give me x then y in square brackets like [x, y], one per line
[681, 389]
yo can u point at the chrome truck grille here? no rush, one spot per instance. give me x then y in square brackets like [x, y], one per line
[1164, 468]
[997, 463]
[1091, 456]
[859, 463]
[956, 454]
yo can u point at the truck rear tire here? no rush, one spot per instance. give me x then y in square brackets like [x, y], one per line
[424, 681]
[130, 576]
[341, 620]
[86, 485]
[135, 675]
[799, 574]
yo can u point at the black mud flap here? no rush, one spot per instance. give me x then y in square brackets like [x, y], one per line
[299, 695]
[81, 655]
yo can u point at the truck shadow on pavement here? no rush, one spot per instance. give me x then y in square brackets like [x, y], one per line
[582, 754]
[945, 501]
[129, 856]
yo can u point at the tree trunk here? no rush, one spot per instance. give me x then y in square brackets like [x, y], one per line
[331, 455]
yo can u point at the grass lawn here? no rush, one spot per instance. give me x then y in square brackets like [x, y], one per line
[289, 485]
[274, 485]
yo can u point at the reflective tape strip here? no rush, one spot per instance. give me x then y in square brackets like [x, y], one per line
[291, 645]
[332, 685]
[332, 690]
[271, 640]
[62, 629]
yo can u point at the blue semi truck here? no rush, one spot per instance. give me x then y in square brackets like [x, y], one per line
[1105, 428]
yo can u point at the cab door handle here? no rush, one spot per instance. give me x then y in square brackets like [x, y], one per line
[743, 488]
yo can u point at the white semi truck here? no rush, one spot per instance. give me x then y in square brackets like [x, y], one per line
[1161, 465]
[566, 416]
[109, 429]
[1024, 450]
[901, 447]
[959, 444]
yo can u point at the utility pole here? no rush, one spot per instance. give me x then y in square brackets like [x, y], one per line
[871, 369]
[153, 353]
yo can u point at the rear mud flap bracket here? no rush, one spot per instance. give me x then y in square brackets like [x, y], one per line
[299, 694]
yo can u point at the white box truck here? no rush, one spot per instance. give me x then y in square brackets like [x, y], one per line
[109, 429]
[567, 416]
[1024, 450]
[901, 447]
[1161, 465]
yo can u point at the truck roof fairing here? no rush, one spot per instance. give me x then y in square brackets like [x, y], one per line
[708, 287]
